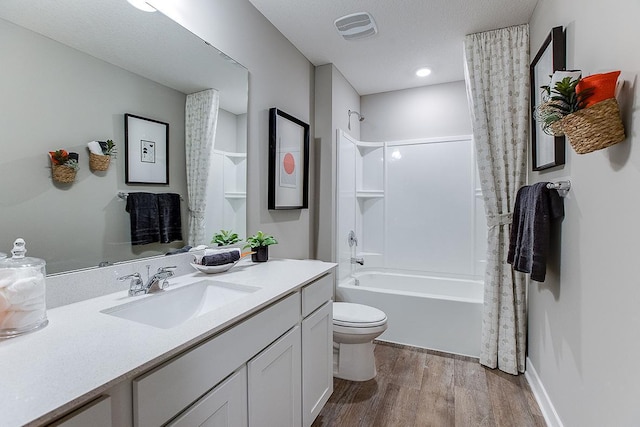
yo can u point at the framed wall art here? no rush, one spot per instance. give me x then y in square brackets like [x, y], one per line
[547, 151]
[146, 150]
[288, 161]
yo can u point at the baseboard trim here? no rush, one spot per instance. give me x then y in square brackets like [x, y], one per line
[544, 402]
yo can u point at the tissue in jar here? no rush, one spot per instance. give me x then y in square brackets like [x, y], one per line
[22, 299]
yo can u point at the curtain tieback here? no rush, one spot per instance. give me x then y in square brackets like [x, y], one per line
[500, 219]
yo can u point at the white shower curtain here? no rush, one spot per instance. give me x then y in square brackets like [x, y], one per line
[497, 76]
[201, 117]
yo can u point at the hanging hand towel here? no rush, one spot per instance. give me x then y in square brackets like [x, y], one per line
[143, 214]
[536, 206]
[169, 217]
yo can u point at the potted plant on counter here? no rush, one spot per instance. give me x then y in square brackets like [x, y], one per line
[259, 244]
[225, 238]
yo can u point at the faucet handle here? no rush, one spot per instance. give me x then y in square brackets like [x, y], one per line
[136, 286]
[168, 269]
[132, 276]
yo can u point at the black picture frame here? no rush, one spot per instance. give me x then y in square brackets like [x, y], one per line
[547, 151]
[288, 153]
[146, 150]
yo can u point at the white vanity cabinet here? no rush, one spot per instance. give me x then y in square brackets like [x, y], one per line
[275, 382]
[224, 406]
[164, 392]
[317, 347]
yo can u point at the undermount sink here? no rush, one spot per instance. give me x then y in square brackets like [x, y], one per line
[171, 308]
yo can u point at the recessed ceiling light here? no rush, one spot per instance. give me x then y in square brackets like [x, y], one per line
[142, 5]
[423, 72]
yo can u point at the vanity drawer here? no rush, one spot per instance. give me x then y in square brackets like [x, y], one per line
[316, 294]
[165, 391]
[96, 413]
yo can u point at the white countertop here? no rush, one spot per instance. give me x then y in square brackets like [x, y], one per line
[82, 352]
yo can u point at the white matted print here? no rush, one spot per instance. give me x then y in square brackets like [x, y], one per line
[146, 151]
[288, 161]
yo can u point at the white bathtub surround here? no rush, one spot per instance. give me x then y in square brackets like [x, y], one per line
[497, 75]
[438, 313]
[201, 118]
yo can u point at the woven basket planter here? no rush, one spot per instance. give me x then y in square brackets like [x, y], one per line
[98, 162]
[63, 174]
[545, 109]
[595, 127]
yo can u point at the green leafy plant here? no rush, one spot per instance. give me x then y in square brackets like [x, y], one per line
[109, 149]
[561, 101]
[63, 158]
[225, 237]
[260, 239]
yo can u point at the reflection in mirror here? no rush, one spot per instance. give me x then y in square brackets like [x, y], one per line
[71, 70]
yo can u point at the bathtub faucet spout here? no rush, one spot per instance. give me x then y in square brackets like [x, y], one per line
[357, 260]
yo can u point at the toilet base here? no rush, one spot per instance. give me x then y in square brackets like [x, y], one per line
[354, 362]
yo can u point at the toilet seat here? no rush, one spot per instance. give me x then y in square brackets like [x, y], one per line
[353, 315]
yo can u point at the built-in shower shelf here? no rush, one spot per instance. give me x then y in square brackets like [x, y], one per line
[235, 195]
[369, 194]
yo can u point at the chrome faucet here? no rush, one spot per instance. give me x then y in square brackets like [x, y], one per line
[157, 282]
[357, 260]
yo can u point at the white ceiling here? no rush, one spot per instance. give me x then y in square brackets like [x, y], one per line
[148, 44]
[411, 34]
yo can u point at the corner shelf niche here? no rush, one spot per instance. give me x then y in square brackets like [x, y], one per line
[370, 196]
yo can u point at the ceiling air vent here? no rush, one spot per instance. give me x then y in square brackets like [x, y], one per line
[356, 26]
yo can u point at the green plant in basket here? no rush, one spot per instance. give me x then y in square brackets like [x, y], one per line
[259, 240]
[109, 149]
[225, 237]
[562, 100]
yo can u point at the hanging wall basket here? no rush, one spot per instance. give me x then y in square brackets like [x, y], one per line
[63, 174]
[98, 162]
[595, 127]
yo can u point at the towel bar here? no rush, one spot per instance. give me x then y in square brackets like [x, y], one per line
[123, 195]
[562, 186]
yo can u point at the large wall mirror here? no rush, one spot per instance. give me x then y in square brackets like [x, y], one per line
[71, 70]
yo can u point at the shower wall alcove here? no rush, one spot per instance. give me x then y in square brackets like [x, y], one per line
[417, 212]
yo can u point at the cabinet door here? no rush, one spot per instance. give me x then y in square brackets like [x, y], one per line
[275, 383]
[317, 362]
[224, 406]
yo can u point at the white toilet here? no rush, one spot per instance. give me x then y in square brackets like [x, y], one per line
[355, 326]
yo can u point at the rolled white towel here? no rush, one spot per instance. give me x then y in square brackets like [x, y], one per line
[8, 276]
[25, 290]
[95, 148]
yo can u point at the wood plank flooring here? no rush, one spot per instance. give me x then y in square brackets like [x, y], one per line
[416, 387]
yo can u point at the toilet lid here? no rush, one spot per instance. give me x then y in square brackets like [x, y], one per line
[357, 315]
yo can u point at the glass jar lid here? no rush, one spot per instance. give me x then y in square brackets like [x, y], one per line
[19, 260]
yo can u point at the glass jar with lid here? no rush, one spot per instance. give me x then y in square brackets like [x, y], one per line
[22, 293]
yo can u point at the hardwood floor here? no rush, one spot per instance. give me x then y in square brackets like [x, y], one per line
[417, 387]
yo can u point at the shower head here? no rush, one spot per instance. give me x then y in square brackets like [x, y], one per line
[360, 117]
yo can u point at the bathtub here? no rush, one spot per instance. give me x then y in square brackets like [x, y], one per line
[437, 313]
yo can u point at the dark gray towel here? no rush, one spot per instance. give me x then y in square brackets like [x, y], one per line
[143, 214]
[535, 208]
[169, 219]
[221, 258]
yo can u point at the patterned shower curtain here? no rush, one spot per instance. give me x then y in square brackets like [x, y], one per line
[497, 77]
[201, 117]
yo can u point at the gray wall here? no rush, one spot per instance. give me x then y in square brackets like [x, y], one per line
[56, 97]
[424, 112]
[279, 76]
[584, 320]
[334, 98]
